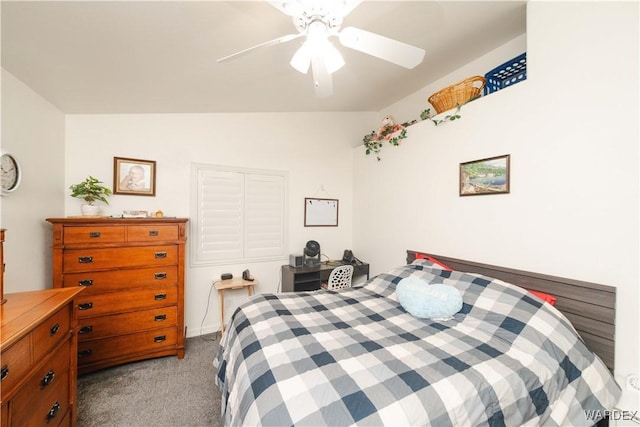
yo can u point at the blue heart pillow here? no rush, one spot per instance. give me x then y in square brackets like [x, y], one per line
[437, 301]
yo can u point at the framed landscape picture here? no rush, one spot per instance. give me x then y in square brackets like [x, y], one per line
[485, 176]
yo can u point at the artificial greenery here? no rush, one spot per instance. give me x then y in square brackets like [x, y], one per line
[373, 141]
[447, 118]
[90, 190]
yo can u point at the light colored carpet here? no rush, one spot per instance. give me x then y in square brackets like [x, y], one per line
[158, 392]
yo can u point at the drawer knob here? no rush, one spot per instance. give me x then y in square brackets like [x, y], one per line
[160, 297]
[53, 411]
[86, 282]
[160, 255]
[160, 317]
[153, 233]
[159, 338]
[47, 379]
[85, 306]
[4, 372]
[54, 329]
[94, 234]
[85, 329]
[85, 259]
[84, 353]
[160, 276]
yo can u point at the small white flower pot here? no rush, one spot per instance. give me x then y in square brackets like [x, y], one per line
[90, 210]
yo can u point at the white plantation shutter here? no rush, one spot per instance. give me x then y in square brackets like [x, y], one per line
[221, 228]
[264, 216]
[239, 215]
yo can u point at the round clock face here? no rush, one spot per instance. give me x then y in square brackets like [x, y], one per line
[10, 173]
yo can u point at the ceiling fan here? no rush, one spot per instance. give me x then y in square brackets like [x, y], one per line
[317, 20]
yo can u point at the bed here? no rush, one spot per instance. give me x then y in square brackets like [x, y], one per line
[357, 357]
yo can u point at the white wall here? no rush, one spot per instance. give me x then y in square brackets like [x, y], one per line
[572, 132]
[32, 130]
[315, 150]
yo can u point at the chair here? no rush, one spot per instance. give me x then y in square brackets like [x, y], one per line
[339, 278]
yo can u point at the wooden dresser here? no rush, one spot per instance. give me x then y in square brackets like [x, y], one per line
[2, 266]
[38, 344]
[132, 271]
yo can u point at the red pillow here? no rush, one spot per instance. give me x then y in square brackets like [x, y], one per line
[545, 297]
[433, 260]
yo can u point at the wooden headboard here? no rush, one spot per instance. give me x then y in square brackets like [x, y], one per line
[590, 307]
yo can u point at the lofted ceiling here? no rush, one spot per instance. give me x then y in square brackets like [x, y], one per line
[160, 56]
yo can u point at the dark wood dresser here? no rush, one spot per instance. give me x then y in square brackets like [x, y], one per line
[38, 345]
[132, 271]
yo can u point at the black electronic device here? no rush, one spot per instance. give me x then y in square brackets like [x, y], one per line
[226, 276]
[348, 257]
[311, 254]
[247, 276]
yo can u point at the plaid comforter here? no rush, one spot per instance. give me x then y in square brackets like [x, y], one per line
[357, 357]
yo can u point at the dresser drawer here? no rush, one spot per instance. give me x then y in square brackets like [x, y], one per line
[133, 299]
[51, 331]
[66, 421]
[97, 350]
[89, 259]
[4, 414]
[101, 281]
[94, 234]
[35, 404]
[125, 323]
[152, 233]
[15, 361]
[48, 408]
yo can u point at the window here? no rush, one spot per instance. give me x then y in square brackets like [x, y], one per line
[238, 215]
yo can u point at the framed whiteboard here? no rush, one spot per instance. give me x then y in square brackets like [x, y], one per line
[320, 212]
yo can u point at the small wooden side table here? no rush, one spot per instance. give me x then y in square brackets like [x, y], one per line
[230, 284]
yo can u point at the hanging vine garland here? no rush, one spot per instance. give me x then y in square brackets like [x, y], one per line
[393, 133]
[373, 142]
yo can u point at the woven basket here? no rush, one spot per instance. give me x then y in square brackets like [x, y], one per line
[457, 94]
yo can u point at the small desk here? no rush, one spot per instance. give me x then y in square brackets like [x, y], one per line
[301, 279]
[230, 284]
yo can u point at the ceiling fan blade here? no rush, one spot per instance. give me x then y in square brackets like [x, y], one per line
[291, 8]
[321, 77]
[382, 47]
[350, 5]
[273, 42]
[296, 8]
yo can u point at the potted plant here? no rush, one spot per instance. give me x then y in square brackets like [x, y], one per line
[90, 191]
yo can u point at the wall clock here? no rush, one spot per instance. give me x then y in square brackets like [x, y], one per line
[11, 173]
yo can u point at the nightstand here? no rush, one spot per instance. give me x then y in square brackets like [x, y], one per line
[230, 284]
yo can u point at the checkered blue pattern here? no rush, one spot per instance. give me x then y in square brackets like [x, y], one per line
[356, 357]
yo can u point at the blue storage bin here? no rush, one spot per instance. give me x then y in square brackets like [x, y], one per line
[507, 74]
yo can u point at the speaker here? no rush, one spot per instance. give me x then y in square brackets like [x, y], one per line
[296, 260]
[312, 253]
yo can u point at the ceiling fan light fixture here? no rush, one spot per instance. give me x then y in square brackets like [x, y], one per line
[324, 49]
[332, 58]
[301, 59]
